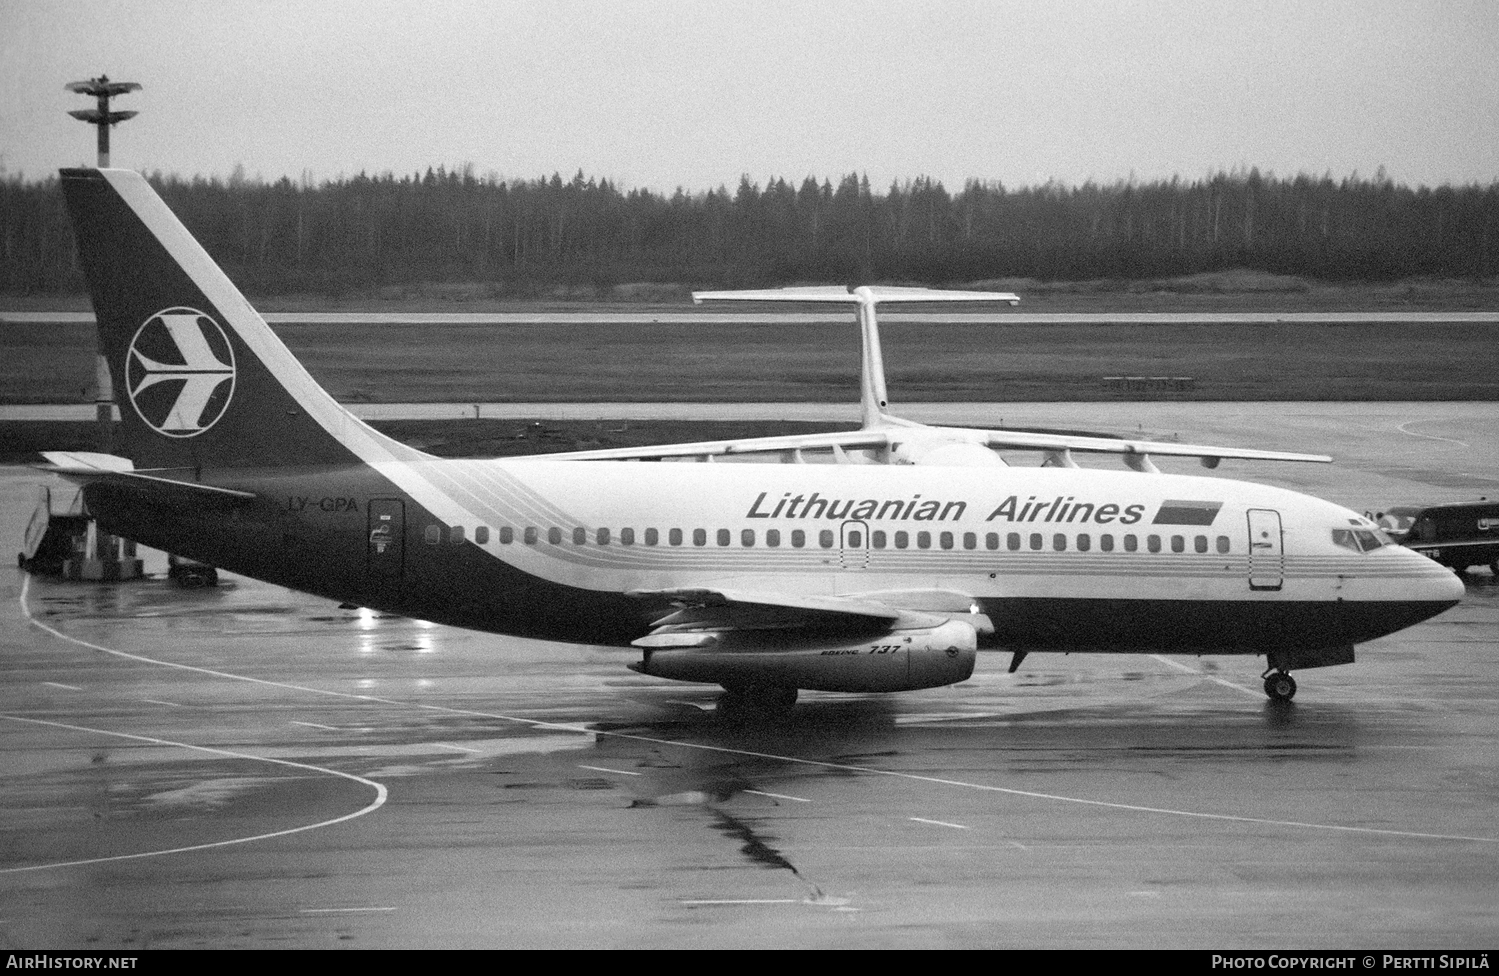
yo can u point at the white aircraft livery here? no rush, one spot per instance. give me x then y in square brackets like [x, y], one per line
[875, 560]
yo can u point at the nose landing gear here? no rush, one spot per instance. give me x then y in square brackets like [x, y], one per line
[1279, 685]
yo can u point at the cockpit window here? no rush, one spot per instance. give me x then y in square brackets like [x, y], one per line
[1361, 540]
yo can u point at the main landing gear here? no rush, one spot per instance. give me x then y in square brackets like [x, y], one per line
[1279, 685]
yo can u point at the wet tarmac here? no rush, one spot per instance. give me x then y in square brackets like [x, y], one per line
[247, 767]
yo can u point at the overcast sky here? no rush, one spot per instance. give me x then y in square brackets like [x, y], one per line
[694, 93]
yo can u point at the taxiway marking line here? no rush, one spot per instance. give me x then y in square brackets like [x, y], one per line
[348, 911]
[616, 772]
[1203, 674]
[940, 823]
[158, 701]
[752, 754]
[1429, 437]
[314, 725]
[446, 745]
[779, 796]
[379, 801]
[59, 684]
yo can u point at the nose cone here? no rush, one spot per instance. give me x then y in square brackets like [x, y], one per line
[1432, 582]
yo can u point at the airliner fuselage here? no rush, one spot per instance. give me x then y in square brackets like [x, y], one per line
[1055, 559]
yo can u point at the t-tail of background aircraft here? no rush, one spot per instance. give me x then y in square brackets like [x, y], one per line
[765, 578]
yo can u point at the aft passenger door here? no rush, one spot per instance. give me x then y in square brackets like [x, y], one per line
[1267, 561]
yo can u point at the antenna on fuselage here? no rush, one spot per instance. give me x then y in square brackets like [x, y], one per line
[874, 401]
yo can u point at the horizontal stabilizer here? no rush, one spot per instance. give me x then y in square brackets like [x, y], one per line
[869, 294]
[88, 468]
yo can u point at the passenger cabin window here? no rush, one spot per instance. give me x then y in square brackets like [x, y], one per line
[602, 537]
[627, 537]
[554, 536]
[433, 535]
[507, 535]
[825, 538]
[674, 537]
[530, 535]
[772, 537]
[455, 534]
[798, 538]
[725, 537]
[700, 537]
[580, 536]
[747, 538]
[481, 534]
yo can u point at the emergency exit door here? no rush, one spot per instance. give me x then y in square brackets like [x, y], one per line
[385, 550]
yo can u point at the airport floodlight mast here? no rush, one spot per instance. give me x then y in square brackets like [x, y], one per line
[102, 118]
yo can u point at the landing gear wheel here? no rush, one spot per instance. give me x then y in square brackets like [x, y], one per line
[1280, 686]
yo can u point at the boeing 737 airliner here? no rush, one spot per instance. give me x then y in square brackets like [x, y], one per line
[766, 578]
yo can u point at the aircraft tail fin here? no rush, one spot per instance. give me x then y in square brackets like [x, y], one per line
[874, 401]
[200, 379]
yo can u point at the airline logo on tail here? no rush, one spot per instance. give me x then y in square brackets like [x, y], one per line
[180, 372]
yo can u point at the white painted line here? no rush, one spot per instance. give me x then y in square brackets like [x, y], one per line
[595, 734]
[346, 911]
[444, 745]
[1430, 437]
[616, 772]
[939, 823]
[314, 725]
[779, 796]
[377, 803]
[158, 701]
[741, 901]
[56, 684]
[1203, 674]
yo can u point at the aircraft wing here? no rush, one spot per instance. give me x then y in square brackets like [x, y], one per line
[89, 468]
[899, 432]
[848, 440]
[690, 613]
[1027, 440]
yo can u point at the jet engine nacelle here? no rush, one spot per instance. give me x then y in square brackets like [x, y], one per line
[897, 660]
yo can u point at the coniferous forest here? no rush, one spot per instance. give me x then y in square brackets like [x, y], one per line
[526, 237]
